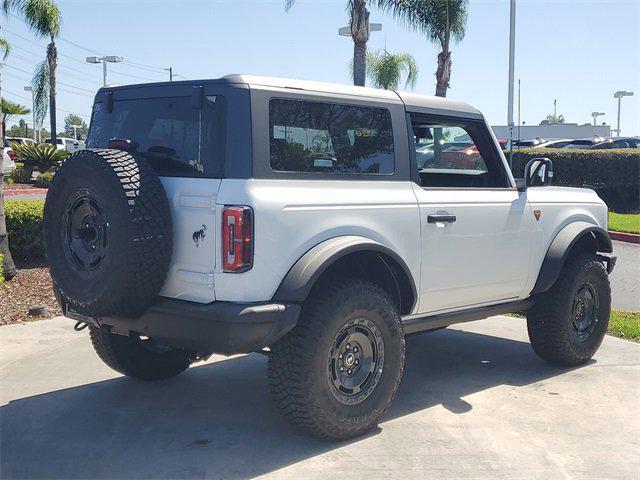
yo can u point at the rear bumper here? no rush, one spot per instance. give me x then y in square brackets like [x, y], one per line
[218, 327]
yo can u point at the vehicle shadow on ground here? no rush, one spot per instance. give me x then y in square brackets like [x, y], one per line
[216, 420]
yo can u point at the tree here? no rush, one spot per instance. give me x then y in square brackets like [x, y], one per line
[553, 119]
[11, 110]
[71, 120]
[359, 23]
[441, 21]
[8, 267]
[386, 70]
[44, 20]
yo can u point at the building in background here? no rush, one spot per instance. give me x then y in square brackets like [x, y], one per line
[559, 130]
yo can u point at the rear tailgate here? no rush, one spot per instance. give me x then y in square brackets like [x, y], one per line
[195, 235]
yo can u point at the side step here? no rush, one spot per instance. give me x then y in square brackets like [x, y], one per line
[420, 323]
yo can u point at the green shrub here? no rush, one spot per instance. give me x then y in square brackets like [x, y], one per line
[43, 156]
[24, 224]
[19, 175]
[612, 174]
[44, 179]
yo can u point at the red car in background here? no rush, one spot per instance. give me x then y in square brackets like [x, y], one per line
[466, 157]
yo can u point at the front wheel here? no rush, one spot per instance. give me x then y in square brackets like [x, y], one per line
[337, 371]
[568, 323]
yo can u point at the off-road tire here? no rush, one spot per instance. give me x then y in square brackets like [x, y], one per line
[550, 322]
[129, 356]
[299, 376]
[131, 230]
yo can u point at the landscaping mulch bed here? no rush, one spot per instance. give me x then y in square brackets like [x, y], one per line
[21, 186]
[31, 287]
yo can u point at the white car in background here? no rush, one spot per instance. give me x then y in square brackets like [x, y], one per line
[68, 144]
[20, 140]
[8, 164]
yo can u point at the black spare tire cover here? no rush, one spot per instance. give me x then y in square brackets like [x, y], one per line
[108, 233]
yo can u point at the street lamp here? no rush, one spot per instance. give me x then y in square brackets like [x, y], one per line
[595, 115]
[75, 131]
[346, 31]
[104, 61]
[619, 94]
[29, 88]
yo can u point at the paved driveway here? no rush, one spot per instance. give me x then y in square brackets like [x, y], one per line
[475, 403]
[625, 279]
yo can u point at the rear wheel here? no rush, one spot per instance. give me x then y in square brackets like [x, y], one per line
[337, 371]
[139, 357]
[568, 323]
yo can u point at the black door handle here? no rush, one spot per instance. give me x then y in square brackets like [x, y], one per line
[441, 218]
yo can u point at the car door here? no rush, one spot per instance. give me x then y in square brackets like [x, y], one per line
[475, 225]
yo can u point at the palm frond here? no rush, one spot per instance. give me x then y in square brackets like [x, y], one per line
[438, 20]
[5, 48]
[12, 6]
[40, 85]
[288, 4]
[386, 70]
[42, 17]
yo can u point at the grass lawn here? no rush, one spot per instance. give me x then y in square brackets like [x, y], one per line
[625, 325]
[624, 222]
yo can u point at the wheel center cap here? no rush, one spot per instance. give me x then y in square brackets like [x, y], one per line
[349, 359]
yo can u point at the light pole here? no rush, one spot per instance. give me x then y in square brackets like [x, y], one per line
[104, 61]
[595, 115]
[29, 88]
[75, 131]
[170, 70]
[512, 61]
[619, 94]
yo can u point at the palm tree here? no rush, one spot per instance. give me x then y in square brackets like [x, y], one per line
[7, 265]
[385, 70]
[43, 18]
[359, 23]
[441, 21]
[10, 110]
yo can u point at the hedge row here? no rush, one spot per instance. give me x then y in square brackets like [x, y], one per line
[24, 224]
[614, 175]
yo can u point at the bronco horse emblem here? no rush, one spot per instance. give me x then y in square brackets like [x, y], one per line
[199, 235]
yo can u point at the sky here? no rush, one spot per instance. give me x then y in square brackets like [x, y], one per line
[576, 52]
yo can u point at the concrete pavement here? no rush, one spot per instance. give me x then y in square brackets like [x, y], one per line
[475, 402]
[625, 279]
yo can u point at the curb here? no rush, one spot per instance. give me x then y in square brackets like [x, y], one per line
[26, 191]
[624, 237]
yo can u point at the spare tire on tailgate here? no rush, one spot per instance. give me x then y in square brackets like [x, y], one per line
[108, 233]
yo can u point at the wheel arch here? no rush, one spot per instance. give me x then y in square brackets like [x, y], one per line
[576, 235]
[343, 255]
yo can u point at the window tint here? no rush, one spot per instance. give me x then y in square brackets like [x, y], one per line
[456, 154]
[176, 138]
[330, 138]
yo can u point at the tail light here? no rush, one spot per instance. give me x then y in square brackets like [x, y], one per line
[12, 154]
[237, 239]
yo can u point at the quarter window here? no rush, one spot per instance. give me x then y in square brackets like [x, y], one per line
[329, 138]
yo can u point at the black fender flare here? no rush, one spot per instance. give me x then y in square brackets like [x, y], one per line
[561, 247]
[298, 282]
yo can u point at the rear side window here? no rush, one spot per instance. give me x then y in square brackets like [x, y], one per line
[323, 137]
[176, 138]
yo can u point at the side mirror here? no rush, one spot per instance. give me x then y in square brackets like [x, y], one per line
[538, 172]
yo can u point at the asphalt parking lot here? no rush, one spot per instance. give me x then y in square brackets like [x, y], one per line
[475, 402]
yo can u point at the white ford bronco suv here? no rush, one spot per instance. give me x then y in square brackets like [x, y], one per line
[318, 224]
